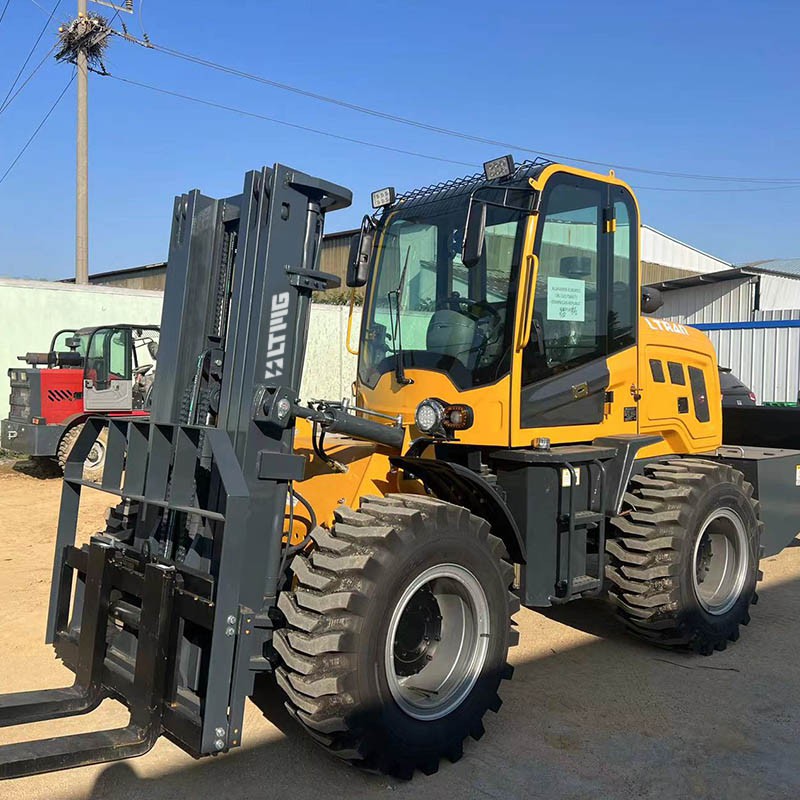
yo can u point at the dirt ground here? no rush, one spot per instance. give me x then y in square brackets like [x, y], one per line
[590, 712]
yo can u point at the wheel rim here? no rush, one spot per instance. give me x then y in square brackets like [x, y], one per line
[437, 642]
[720, 561]
[96, 457]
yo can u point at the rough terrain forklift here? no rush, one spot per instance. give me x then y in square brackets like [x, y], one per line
[518, 434]
[96, 370]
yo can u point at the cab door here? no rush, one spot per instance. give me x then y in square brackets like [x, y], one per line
[580, 363]
[107, 377]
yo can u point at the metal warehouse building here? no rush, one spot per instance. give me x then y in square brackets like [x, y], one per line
[752, 315]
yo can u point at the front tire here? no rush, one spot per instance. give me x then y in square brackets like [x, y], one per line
[397, 633]
[684, 558]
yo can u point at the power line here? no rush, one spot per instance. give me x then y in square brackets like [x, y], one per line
[38, 128]
[415, 153]
[35, 45]
[296, 126]
[734, 189]
[441, 130]
[27, 80]
[5, 8]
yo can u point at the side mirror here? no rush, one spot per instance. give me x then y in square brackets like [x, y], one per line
[652, 299]
[474, 234]
[360, 254]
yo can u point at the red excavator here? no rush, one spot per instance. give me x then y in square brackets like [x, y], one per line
[106, 370]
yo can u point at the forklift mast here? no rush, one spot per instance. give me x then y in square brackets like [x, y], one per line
[170, 614]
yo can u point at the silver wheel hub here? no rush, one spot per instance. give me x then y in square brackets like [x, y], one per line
[97, 455]
[720, 561]
[437, 642]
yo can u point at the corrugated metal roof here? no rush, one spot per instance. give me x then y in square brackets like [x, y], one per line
[660, 248]
[786, 268]
[778, 266]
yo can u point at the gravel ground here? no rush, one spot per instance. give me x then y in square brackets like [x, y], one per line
[590, 712]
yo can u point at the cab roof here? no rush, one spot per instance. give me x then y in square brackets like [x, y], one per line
[459, 187]
[88, 331]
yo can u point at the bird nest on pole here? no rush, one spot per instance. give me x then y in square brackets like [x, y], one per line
[89, 33]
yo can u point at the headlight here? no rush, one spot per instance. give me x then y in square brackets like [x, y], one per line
[428, 416]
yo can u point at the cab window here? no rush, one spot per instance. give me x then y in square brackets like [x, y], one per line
[569, 325]
[623, 309]
[108, 357]
[118, 354]
[585, 297]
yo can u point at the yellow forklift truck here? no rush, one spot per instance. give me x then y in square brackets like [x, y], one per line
[519, 433]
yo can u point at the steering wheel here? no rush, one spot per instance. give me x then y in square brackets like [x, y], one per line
[476, 310]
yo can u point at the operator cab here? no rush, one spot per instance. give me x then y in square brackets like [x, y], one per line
[509, 291]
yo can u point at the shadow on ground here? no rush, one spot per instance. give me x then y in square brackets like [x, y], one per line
[609, 717]
[39, 468]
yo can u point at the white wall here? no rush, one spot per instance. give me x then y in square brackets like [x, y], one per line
[329, 369]
[778, 293]
[32, 311]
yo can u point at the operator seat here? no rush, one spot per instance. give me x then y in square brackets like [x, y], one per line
[452, 333]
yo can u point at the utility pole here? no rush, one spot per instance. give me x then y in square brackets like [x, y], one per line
[82, 161]
[83, 42]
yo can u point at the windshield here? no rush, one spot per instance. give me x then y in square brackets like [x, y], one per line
[451, 319]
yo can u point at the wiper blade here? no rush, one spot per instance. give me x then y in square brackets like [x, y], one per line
[397, 335]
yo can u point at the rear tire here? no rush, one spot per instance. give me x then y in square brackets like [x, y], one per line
[93, 466]
[397, 633]
[684, 560]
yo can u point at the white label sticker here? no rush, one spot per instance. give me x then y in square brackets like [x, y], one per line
[566, 299]
[566, 478]
[797, 475]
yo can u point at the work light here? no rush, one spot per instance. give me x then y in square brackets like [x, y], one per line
[498, 168]
[383, 197]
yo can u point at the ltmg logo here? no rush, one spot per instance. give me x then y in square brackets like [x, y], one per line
[276, 336]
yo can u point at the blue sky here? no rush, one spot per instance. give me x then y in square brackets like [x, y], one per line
[707, 88]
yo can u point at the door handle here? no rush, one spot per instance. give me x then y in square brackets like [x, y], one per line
[531, 263]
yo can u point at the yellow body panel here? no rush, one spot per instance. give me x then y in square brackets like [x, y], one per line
[658, 408]
[489, 403]
[368, 472]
